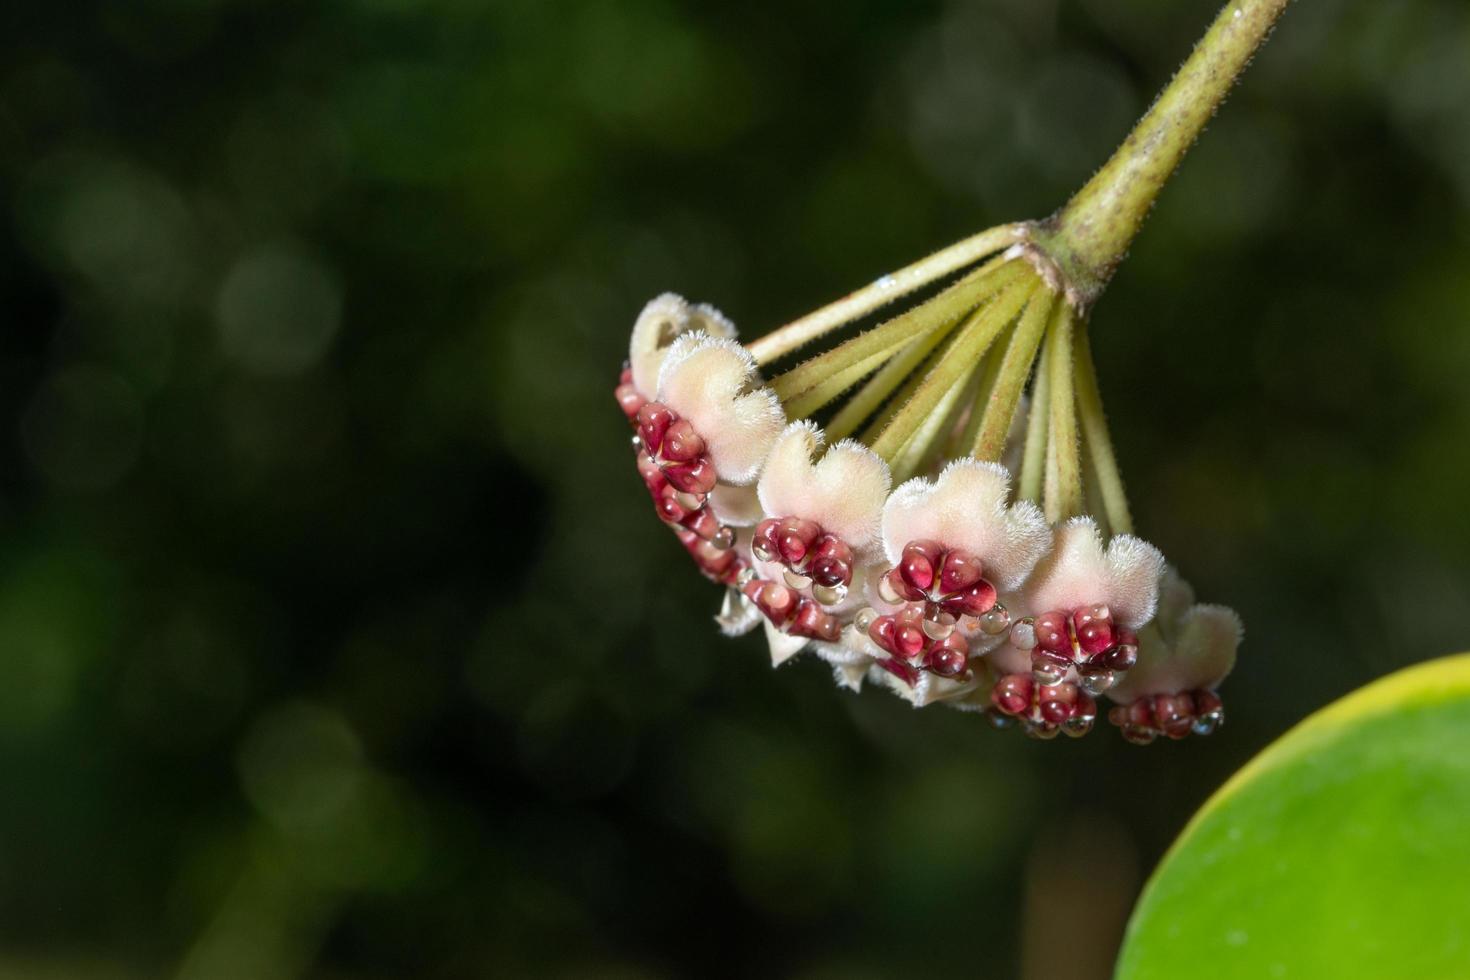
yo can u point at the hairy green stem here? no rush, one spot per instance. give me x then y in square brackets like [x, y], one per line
[880, 421]
[1062, 497]
[959, 361]
[1091, 234]
[1005, 395]
[1033, 452]
[913, 454]
[1097, 440]
[940, 310]
[835, 384]
[978, 392]
[881, 385]
[883, 291]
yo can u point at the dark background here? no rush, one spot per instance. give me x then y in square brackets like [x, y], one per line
[336, 636]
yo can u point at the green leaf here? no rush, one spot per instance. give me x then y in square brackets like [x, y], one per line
[1342, 850]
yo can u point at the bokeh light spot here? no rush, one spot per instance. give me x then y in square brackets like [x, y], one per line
[278, 310]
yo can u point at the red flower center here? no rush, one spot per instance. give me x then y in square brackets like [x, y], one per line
[1044, 709]
[1170, 715]
[1085, 638]
[811, 556]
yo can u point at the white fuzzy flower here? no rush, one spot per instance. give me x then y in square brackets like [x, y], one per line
[713, 383]
[822, 531]
[954, 545]
[704, 433]
[1088, 602]
[965, 510]
[1080, 572]
[1182, 657]
[661, 322]
[842, 492]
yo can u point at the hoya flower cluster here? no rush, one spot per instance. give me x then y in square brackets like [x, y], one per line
[931, 505]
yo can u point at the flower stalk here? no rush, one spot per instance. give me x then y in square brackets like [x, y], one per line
[1091, 234]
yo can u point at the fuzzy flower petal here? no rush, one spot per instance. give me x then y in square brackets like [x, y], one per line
[843, 491]
[1193, 648]
[712, 382]
[844, 653]
[784, 646]
[850, 676]
[1079, 572]
[966, 508]
[737, 615]
[662, 321]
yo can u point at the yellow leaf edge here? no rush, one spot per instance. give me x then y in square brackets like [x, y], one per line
[1421, 685]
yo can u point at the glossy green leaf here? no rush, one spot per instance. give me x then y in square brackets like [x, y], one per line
[1341, 851]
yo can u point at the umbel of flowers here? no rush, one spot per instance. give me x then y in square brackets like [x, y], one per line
[911, 505]
[931, 502]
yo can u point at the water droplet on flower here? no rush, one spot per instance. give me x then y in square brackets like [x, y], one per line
[865, 619]
[995, 621]
[796, 581]
[724, 538]
[1041, 731]
[761, 548]
[1096, 682]
[829, 595]
[887, 592]
[1048, 673]
[937, 623]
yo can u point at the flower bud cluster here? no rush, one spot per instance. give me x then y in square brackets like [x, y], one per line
[946, 588]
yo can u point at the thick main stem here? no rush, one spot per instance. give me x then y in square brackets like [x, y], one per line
[1091, 234]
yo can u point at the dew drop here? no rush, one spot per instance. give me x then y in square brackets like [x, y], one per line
[1047, 673]
[829, 595]
[937, 623]
[796, 581]
[1043, 731]
[995, 621]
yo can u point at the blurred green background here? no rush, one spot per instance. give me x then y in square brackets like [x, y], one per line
[337, 637]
